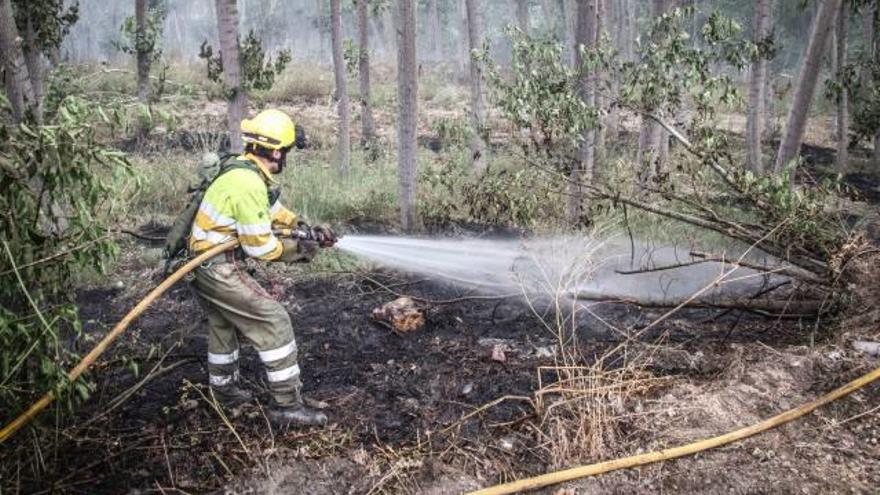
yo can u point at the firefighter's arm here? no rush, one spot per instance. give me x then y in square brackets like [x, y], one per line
[253, 223]
[282, 218]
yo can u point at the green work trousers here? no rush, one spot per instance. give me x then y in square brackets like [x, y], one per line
[237, 307]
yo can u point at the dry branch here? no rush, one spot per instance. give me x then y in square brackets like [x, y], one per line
[792, 309]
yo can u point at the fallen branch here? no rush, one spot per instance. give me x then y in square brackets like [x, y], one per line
[775, 308]
[792, 272]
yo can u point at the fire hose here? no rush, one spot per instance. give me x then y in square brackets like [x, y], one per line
[120, 327]
[681, 451]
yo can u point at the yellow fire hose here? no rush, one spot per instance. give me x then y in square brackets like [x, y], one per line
[684, 450]
[102, 346]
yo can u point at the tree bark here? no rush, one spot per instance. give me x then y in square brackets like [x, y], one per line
[33, 58]
[522, 15]
[601, 102]
[143, 57]
[568, 22]
[874, 40]
[407, 102]
[18, 86]
[463, 41]
[757, 90]
[368, 128]
[478, 97]
[434, 31]
[227, 26]
[796, 123]
[582, 171]
[650, 157]
[343, 163]
[322, 32]
[843, 102]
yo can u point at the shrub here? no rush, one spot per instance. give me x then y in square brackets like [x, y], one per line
[58, 190]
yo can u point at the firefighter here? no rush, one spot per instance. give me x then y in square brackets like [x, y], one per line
[241, 203]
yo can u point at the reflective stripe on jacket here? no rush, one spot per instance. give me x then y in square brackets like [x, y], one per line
[237, 205]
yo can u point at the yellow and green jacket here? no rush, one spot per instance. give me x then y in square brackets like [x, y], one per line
[237, 205]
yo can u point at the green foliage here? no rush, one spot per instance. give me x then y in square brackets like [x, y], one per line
[672, 70]
[541, 93]
[258, 69]
[493, 196]
[452, 131]
[132, 43]
[59, 188]
[351, 53]
[50, 19]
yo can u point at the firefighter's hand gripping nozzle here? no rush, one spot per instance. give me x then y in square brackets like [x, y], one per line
[323, 235]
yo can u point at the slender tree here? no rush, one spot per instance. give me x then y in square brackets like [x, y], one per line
[874, 42]
[227, 24]
[757, 89]
[368, 128]
[142, 49]
[344, 139]
[582, 171]
[651, 135]
[33, 58]
[18, 88]
[841, 42]
[407, 104]
[796, 123]
[478, 96]
[434, 31]
[522, 15]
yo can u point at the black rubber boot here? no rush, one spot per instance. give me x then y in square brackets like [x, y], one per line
[296, 415]
[232, 395]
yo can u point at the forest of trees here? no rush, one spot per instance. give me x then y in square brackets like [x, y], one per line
[791, 47]
[753, 124]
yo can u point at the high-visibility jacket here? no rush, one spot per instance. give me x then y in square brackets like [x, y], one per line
[237, 205]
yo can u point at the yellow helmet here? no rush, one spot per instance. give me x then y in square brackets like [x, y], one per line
[270, 129]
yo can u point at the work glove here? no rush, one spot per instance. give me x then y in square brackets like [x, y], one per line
[325, 236]
[298, 251]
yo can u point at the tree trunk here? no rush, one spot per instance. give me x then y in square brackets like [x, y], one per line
[522, 15]
[434, 31]
[478, 97]
[650, 157]
[367, 125]
[464, 56]
[18, 86]
[227, 27]
[567, 21]
[796, 123]
[344, 139]
[407, 103]
[143, 56]
[843, 102]
[874, 42]
[599, 101]
[33, 58]
[757, 91]
[322, 31]
[582, 171]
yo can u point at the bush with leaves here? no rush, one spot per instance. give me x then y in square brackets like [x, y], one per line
[709, 189]
[258, 69]
[150, 43]
[58, 194]
[505, 197]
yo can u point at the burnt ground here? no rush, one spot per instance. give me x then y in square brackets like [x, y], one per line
[397, 401]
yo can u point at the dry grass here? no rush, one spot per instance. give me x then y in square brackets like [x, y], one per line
[582, 408]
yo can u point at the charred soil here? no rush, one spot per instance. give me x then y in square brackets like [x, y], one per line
[408, 411]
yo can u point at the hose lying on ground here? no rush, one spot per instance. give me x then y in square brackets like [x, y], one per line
[102, 346]
[673, 453]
